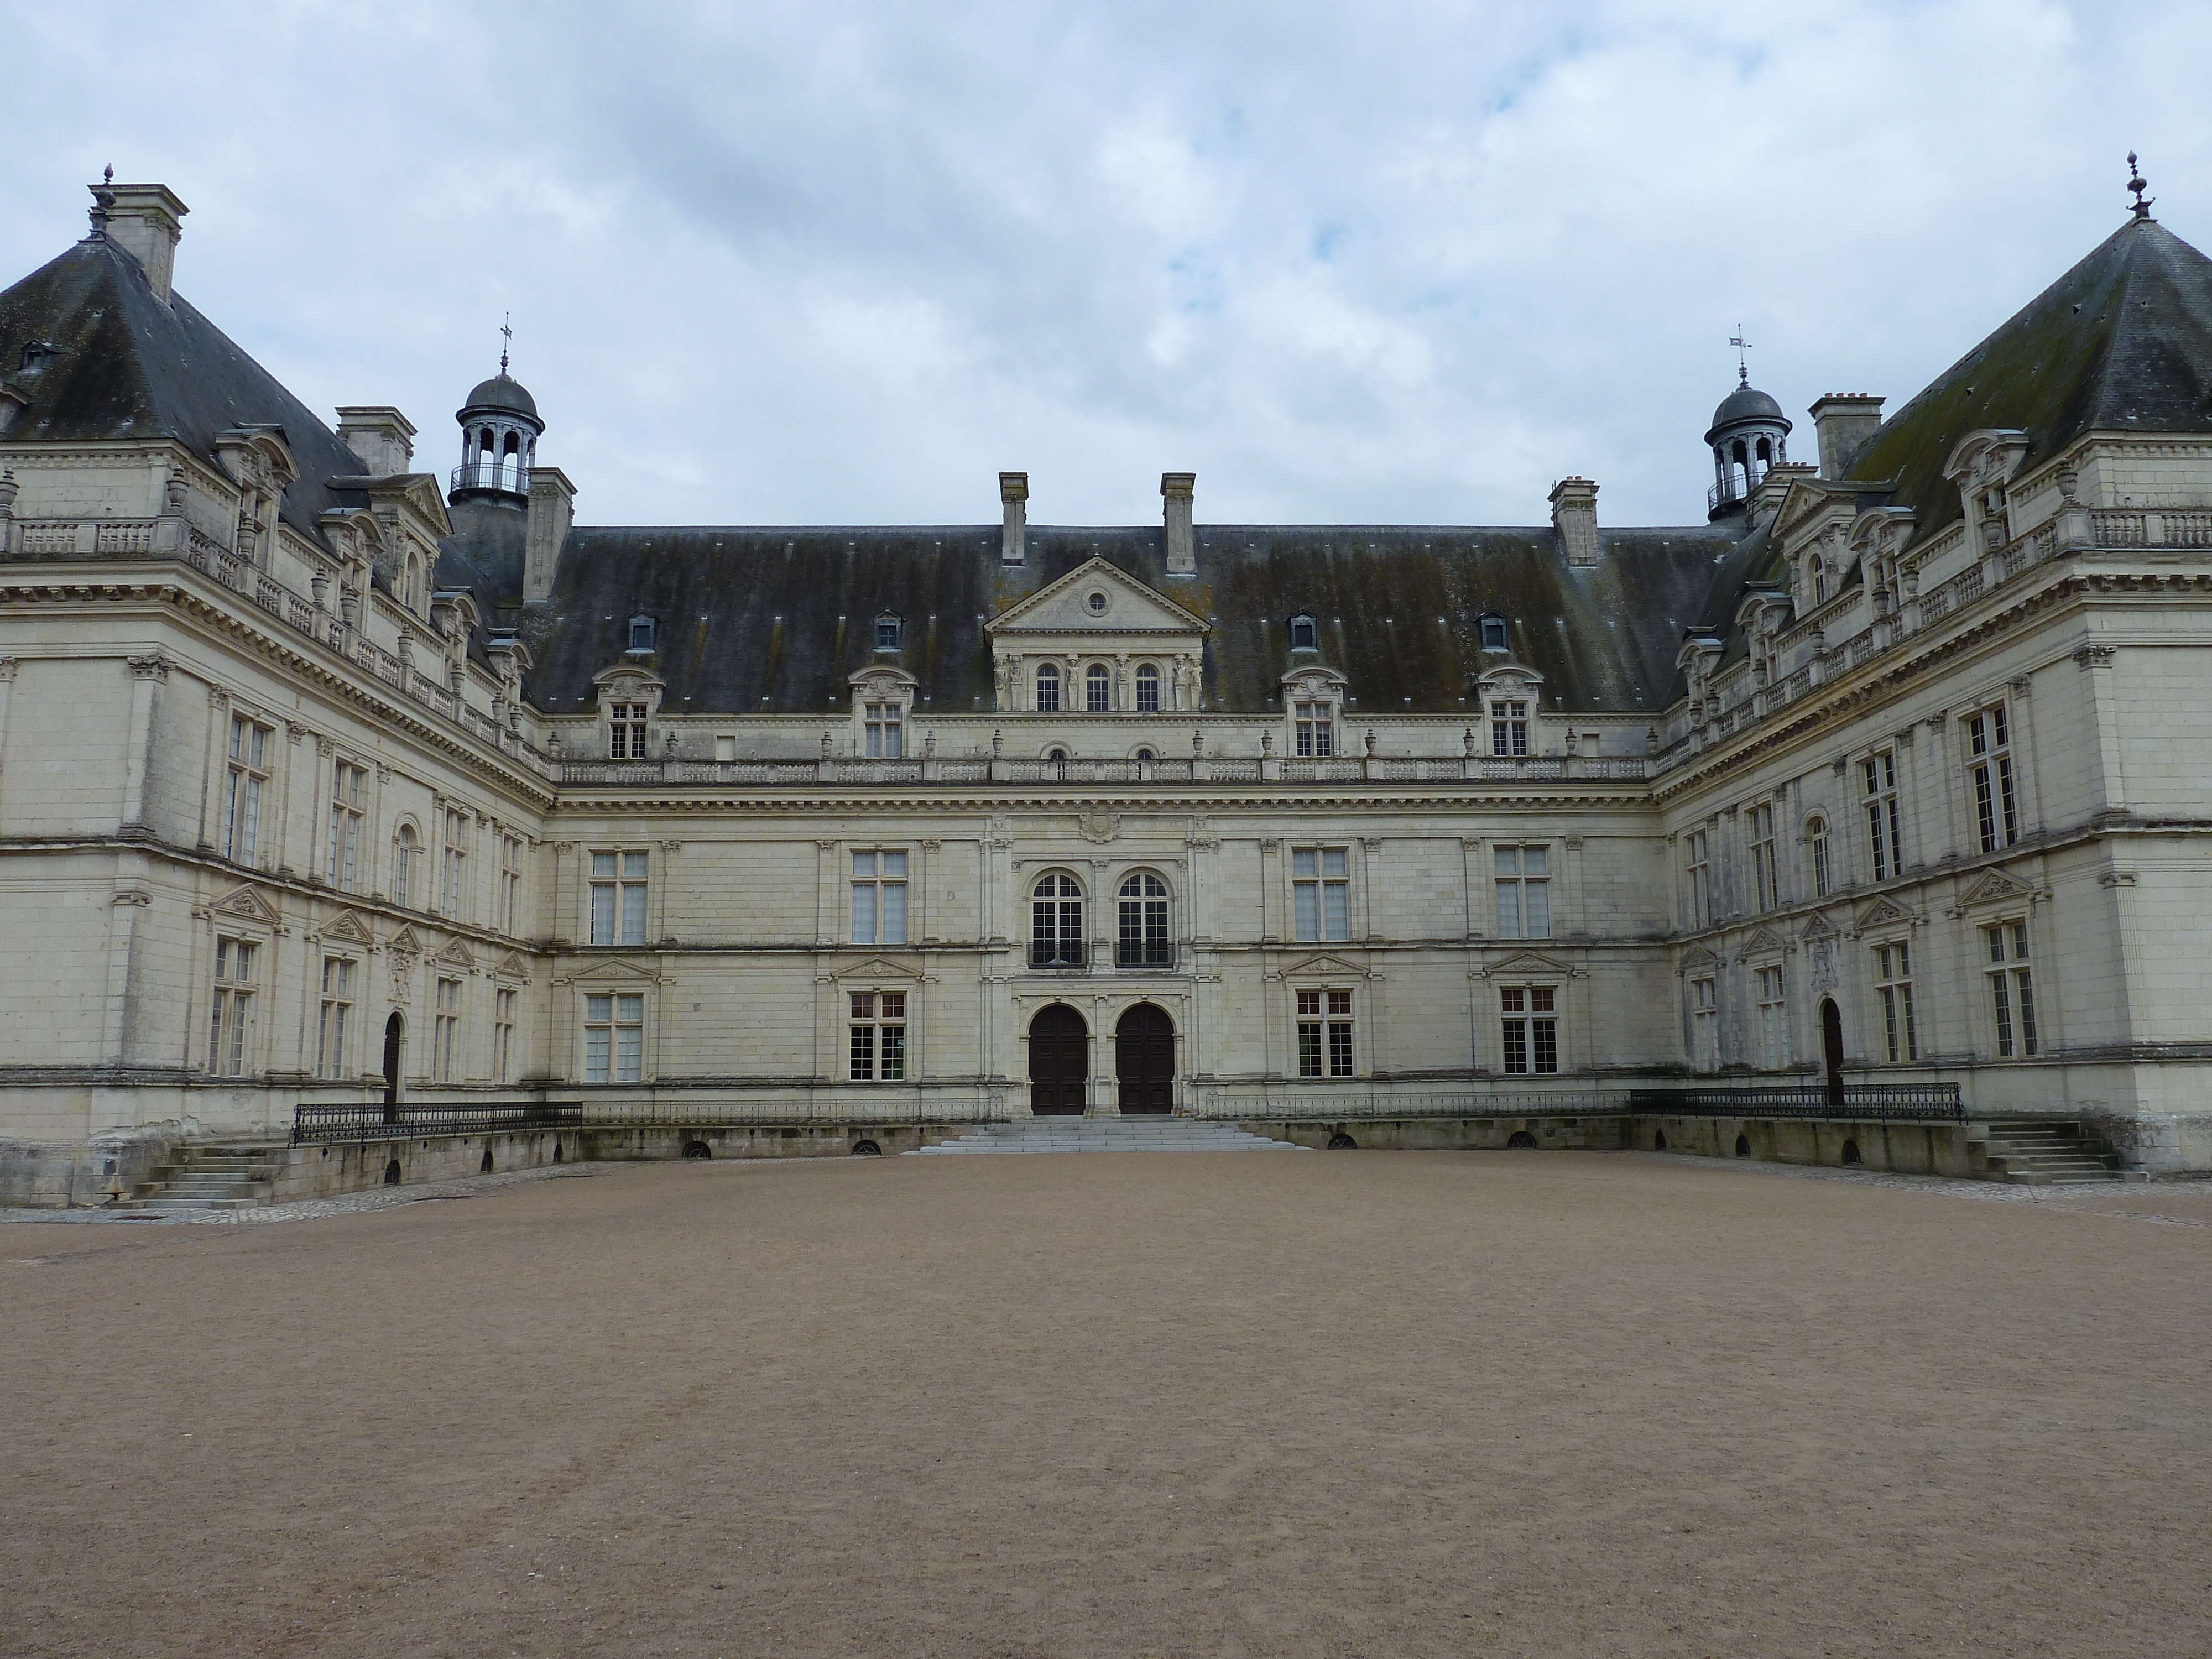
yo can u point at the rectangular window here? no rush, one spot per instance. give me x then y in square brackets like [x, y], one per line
[235, 961]
[349, 787]
[879, 897]
[1894, 986]
[446, 1038]
[1508, 728]
[1758, 826]
[1315, 729]
[614, 1038]
[877, 1028]
[2012, 991]
[502, 1036]
[1529, 1021]
[1524, 892]
[1885, 844]
[331, 1028]
[885, 730]
[1318, 888]
[1989, 771]
[510, 882]
[1698, 868]
[626, 732]
[619, 898]
[1324, 1033]
[1704, 1024]
[457, 856]
[244, 779]
[1773, 1021]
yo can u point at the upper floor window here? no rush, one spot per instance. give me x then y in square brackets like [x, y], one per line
[1493, 633]
[1098, 689]
[1318, 889]
[1988, 766]
[1893, 965]
[510, 882]
[1315, 728]
[1508, 728]
[1324, 1033]
[1057, 922]
[640, 633]
[1758, 828]
[877, 1029]
[1524, 892]
[618, 884]
[246, 773]
[888, 631]
[457, 855]
[1529, 1019]
[1304, 635]
[2012, 991]
[1148, 689]
[1885, 843]
[1143, 932]
[1697, 866]
[626, 732]
[235, 962]
[1816, 850]
[349, 788]
[406, 849]
[1047, 688]
[879, 896]
[885, 730]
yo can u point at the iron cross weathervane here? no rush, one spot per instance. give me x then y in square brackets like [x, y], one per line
[506, 338]
[1741, 345]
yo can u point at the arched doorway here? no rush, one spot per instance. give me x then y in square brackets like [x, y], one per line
[1831, 1051]
[395, 1041]
[1060, 1061]
[1143, 1060]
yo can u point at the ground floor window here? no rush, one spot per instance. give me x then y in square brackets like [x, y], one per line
[1704, 1024]
[1893, 987]
[502, 1036]
[447, 1036]
[336, 1015]
[1773, 1020]
[1529, 1019]
[236, 961]
[878, 1030]
[2012, 991]
[1325, 1034]
[614, 1038]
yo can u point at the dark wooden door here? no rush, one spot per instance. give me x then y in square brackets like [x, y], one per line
[1060, 1061]
[394, 1040]
[1831, 1051]
[1143, 1059]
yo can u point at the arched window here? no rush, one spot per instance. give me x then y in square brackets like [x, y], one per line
[1816, 854]
[1145, 757]
[1820, 573]
[889, 627]
[1098, 689]
[1048, 689]
[1493, 633]
[405, 849]
[411, 586]
[1057, 922]
[1143, 941]
[510, 466]
[1148, 689]
[1304, 636]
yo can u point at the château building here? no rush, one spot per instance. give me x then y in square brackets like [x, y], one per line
[327, 777]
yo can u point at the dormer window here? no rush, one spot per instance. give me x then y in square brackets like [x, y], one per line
[1305, 635]
[1509, 726]
[641, 634]
[1315, 729]
[885, 733]
[626, 724]
[1493, 633]
[889, 627]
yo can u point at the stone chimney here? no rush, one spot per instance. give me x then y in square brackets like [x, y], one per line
[1176, 489]
[142, 220]
[1574, 520]
[1845, 420]
[552, 509]
[380, 436]
[1014, 501]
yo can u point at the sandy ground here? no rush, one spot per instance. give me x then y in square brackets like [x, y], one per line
[1354, 1403]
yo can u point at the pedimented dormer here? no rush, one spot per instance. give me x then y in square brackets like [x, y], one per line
[1097, 642]
[629, 702]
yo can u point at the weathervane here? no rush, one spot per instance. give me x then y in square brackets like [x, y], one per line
[1741, 345]
[506, 338]
[2139, 185]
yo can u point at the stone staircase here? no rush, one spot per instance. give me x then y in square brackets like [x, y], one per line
[2042, 1152]
[206, 1178]
[1108, 1135]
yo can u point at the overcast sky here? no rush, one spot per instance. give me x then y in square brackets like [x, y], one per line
[822, 262]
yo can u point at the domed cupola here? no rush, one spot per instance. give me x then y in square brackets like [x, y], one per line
[1749, 434]
[500, 429]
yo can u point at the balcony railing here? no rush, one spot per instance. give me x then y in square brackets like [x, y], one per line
[314, 1125]
[972, 770]
[507, 475]
[1917, 1103]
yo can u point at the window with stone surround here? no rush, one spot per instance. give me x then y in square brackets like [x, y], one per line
[1704, 1024]
[446, 1036]
[1885, 825]
[349, 792]
[406, 851]
[455, 886]
[1057, 922]
[510, 882]
[1143, 905]
[1320, 889]
[1522, 878]
[1989, 778]
[876, 1028]
[1098, 689]
[1773, 1020]
[1509, 726]
[1148, 689]
[502, 1035]
[1817, 855]
[230, 1022]
[614, 1036]
[333, 1026]
[246, 777]
[626, 733]
[1529, 1019]
[879, 895]
[618, 888]
[1047, 688]
[1759, 830]
[1325, 1032]
[1893, 992]
[884, 730]
[1314, 728]
[2012, 989]
[1697, 868]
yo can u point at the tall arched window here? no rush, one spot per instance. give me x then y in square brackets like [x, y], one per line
[1057, 922]
[1097, 691]
[1048, 689]
[1148, 689]
[405, 849]
[1143, 941]
[1816, 854]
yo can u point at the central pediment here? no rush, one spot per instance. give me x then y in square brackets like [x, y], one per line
[1097, 597]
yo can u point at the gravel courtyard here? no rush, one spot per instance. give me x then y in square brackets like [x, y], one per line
[1354, 1403]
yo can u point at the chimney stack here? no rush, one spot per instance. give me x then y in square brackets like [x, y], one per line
[1014, 499]
[1574, 520]
[1845, 420]
[545, 524]
[142, 220]
[380, 436]
[1176, 489]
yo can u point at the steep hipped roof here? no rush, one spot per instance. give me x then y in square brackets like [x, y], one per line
[126, 364]
[767, 620]
[2121, 343]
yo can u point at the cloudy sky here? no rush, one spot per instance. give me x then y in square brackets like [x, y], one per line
[810, 263]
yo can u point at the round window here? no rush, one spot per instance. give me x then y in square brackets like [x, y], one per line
[1097, 603]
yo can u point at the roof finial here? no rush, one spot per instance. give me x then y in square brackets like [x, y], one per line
[1741, 345]
[107, 174]
[506, 339]
[2138, 184]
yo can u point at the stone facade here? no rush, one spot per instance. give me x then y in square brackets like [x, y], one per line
[295, 807]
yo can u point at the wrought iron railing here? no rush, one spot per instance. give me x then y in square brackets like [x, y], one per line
[315, 1124]
[1872, 1102]
[1867, 1102]
[895, 1105]
[509, 476]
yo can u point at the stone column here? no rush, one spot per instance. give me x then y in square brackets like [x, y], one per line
[147, 675]
[2095, 662]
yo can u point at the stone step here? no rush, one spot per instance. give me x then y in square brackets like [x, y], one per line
[1163, 1134]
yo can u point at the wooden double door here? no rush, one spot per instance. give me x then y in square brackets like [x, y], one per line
[1060, 1061]
[1143, 1060]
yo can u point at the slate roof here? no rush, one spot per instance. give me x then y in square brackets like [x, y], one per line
[128, 365]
